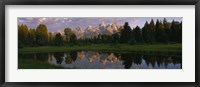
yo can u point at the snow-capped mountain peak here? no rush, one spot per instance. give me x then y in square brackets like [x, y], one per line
[102, 24]
[91, 32]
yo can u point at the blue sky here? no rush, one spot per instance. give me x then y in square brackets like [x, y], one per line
[60, 23]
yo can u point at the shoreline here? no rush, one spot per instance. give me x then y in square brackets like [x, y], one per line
[121, 48]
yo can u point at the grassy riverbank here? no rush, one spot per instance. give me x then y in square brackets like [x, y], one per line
[157, 48]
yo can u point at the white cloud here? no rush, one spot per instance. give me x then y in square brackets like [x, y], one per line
[42, 19]
[21, 21]
[69, 20]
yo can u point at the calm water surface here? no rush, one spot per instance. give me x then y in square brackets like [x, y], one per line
[105, 60]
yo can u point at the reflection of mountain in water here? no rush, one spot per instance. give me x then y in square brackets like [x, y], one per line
[101, 60]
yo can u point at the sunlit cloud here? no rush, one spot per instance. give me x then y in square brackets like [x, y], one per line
[42, 19]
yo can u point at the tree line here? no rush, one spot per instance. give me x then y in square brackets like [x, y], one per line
[162, 31]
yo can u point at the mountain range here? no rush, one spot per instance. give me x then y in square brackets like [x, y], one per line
[91, 32]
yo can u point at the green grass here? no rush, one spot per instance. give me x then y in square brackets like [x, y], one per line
[32, 64]
[157, 48]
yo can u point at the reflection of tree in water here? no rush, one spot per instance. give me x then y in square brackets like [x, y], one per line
[152, 61]
[145, 57]
[73, 55]
[58, 57]
[70, 57]
[69, 60]
[149, 59]
[166, 61]
[177, 60]
[137, 59]
[128, 60]
[43, 57]
[160, 60]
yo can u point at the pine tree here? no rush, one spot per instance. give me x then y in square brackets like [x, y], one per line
[138, 35]
[146, 33]
[152, 30]
[126, 34]
[167, 26]
[161, 36]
